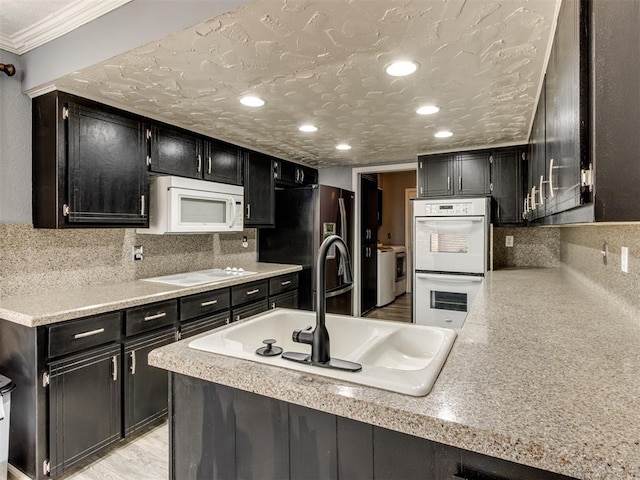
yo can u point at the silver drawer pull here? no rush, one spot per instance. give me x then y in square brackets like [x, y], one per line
[133, 362]
[210, 302]
[114, 363]
[154, 317]
[88, 334]
[285, 283]
[251, 292]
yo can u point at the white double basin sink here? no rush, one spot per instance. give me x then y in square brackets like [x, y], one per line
[399, 357]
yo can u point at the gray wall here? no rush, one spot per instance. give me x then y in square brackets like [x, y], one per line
[15, 146]
[336, 177]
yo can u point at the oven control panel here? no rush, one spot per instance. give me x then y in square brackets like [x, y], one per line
[451, 208]
[446, 209]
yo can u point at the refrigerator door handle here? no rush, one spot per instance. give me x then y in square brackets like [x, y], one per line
[343, 234]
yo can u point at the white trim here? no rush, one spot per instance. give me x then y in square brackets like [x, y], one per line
[355, 184]
[477, 147]
[57, 24]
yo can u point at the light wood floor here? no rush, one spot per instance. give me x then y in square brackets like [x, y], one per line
[144, 458]
[399, 310]
[147, 457]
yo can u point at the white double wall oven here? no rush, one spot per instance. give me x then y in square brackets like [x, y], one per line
[450, 241]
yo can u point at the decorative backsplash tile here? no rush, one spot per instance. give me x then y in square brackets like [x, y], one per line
[33, 260]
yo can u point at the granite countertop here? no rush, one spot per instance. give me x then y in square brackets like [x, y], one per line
[544, 373]
[56, 306]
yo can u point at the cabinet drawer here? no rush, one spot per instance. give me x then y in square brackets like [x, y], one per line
[284, 300]
[195, 306]
[150, 317]
[283, 283]
[80, 334]
[248, 292]
[251, 309]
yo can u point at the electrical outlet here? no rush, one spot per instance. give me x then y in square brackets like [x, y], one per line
[508, 241]
[138, 253]
[624, 259]
[245, 242]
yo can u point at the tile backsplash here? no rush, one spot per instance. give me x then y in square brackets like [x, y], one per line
[41, 259]
[532, 247]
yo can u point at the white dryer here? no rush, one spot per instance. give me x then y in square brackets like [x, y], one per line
[386, 276]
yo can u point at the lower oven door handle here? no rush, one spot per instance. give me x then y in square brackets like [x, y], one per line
[448, 278]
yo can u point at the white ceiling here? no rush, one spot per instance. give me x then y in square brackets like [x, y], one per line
[322, 61]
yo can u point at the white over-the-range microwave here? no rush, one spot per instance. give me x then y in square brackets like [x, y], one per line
[187, 205]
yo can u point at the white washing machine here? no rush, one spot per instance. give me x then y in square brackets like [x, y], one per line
[386, 276]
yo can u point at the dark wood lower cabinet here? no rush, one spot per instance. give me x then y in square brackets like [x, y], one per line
[145, 387]
[219, 432]
[84, 406]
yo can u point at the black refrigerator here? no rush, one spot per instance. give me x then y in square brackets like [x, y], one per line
[304, 217]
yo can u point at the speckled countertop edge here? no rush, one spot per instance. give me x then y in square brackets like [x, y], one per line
[57, 306]
[528, 380]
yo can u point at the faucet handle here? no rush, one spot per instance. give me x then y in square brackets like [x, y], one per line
[303, 336]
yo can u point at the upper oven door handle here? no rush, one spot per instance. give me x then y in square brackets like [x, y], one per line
[449, 219]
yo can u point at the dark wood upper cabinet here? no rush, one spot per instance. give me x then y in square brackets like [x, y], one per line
[175, 152]
[88, 165]
[507, 185]
[463, 174]
[259, 190]
[290, 174]
[222, 162]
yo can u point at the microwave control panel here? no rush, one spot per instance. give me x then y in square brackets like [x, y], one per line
[239, 214]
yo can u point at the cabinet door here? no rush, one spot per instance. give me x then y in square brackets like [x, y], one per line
[284, 300]
[369, 209]
[84, 406]
[175, 152]
[145, 387]
[106, 170]
[565, 111]
[507, 185]
[204, 324]
[537, 162]
[249, 310]
[259, 191]
[471, 174]
[222, 162]
[286, 173]
[308, 176]
[368, 278]
[438, 175]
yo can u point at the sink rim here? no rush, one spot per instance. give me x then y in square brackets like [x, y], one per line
[411, 382]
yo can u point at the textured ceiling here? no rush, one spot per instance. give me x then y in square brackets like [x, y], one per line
[322, 61]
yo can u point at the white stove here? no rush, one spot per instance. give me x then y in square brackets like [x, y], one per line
[201, 277]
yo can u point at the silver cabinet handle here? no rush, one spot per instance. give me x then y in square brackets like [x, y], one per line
[210, 302]
[227, 320]
[301, 176]
[273, 305]
[285, 283]
[448, 183]
[248, 211]
[156, 316]
[142, 205]
[114, 363]
[253, 292]
[551, 167]
[541, 198]
[133, 362]
[199, 163]
[533, 198]
[88, 334]
[459, 182]
[209, 168]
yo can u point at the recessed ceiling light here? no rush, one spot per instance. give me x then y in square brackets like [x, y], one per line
[401, 68]
[428, 110]
[251, 101]
[343, 146]
[443, 134]
[307, 127]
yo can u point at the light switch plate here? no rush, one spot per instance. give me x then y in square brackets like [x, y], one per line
[508, 241]
[624, 259]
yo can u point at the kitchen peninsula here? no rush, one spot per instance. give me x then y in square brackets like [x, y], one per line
[79, 357]
[543, 374]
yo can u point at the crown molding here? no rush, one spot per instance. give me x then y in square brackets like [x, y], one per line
[57, 24]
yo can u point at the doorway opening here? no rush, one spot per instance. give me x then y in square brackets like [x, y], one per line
[394, 185]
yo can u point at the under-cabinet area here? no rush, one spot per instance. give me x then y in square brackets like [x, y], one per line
[87, 384]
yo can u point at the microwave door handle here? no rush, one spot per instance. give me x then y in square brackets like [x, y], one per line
[232, 218]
